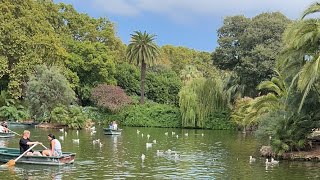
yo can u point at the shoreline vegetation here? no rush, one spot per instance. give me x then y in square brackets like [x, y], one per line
[62, 67]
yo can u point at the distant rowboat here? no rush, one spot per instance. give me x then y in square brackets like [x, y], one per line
[6, 135]
[108, 131]
[7, 154]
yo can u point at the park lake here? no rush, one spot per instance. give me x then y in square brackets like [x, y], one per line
[202, 154]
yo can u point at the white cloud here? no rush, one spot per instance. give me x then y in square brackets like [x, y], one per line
[120, 7]
[192, 9]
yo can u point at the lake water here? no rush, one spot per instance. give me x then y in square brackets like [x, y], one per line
[213, 155]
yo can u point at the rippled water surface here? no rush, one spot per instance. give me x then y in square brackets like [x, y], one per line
[203, 154]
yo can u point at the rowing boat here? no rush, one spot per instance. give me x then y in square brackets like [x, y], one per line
[108, 131]
[7, 154]
[6, 135]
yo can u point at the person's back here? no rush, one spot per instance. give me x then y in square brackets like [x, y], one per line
[115, 126]
[57, 147]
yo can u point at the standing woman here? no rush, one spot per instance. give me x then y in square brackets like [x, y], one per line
[55, 147]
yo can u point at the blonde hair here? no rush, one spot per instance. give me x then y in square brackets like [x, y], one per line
[26, 132]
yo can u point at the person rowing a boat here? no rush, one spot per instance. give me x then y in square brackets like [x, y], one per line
[25, 143]
[4, 127]
[55, 147]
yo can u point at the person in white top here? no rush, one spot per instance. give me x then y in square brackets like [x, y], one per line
[55, 147]
[114, 125]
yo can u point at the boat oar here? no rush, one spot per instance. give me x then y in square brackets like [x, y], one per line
[21, 136]
[12, 162]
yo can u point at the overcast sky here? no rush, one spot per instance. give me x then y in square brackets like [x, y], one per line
[190, 23]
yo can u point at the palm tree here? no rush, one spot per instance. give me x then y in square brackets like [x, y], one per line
[142, 50]
[301, 57]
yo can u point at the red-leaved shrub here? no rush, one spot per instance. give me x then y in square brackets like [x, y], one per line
[110, 97]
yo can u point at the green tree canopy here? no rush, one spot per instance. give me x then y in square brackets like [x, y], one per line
[249, 47]
[46, 89]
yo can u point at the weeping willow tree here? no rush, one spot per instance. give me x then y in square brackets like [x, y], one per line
[200, 98]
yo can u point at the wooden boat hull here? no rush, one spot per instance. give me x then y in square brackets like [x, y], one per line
[108, 131]
[6, 135]
[7, 154]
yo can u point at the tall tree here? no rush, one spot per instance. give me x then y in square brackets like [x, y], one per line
[249, 47]
[142, 50]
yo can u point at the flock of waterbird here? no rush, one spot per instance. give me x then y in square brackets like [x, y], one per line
[162, 153]
[77, 141]
[268, 163]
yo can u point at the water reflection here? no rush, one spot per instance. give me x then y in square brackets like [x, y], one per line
[201, 154]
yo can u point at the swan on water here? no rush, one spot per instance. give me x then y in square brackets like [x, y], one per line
[143, 157]
[252, 159]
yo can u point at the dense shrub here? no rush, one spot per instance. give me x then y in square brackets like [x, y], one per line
[72, 116]
[46, 89]
[219, 121]
[13, 113]
[149, 115]
[110, 97]
[162, 84]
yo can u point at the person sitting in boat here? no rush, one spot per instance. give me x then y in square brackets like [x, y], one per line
[4, 127]
[111, 126]
[114, 125]
[55, 147]
[25, 143]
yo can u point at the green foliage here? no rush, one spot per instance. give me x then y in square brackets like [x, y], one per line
[13, 113]
[219, 121]
[72, 116]
[161, 85]
[149, 115]
[249, 47]
[288, 131]
[96, 114]
[46, 89]
[199, 99]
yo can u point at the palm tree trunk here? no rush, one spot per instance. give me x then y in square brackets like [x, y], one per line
[143, 77]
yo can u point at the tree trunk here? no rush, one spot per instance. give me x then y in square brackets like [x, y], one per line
[143, 77]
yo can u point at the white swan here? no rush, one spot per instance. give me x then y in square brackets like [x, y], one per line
[160, 153]
[274, 161]
[77, 133]
[138, 131]
[61, 138]
[173, 133]
[143, 157]
[154, 141]
[75, 141]
[186, 134]
[148, 145]
[61, 130]
[148, 136]
[166, 133]
[252, 159]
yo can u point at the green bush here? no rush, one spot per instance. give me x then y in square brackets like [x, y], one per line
[162, 84]
[149, 115]
[13, 113]
[219, 121]
[72, 116]
[96, 114]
